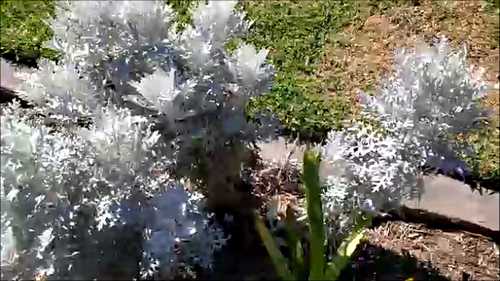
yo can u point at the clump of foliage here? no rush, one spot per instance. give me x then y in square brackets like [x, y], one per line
[432, 98]
[186, 82]
[294, 31]
[164, 108]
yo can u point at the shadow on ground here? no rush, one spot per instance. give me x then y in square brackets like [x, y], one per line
[250, 262]
[376, 263]
[490, 185]
[245, 258]
[437, 221]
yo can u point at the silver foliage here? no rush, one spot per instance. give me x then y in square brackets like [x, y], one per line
[126, 53]
[156, 99]
[432, 97]
[66, 197]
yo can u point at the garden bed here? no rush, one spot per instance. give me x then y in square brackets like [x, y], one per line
[408, 244]
[392, 250]
[411, 244]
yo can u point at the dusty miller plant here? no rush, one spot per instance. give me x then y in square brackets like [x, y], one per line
[431, 98]
[186, 83]
[73, 201]
[157, 101]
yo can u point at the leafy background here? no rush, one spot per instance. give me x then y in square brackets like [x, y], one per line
[315, 48]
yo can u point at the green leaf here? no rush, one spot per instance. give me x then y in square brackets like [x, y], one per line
[346, 249]
[295, 246]
[315, 215]
[279, 261]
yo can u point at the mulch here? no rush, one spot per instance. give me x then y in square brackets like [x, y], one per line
[398, 250]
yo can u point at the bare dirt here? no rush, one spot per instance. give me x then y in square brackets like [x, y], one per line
[397, 250]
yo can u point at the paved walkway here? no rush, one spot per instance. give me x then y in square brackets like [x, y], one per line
[455, 199]
[442, 195]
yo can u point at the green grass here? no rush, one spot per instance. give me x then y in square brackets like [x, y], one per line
[485, 161]
[183, 10]
[295, 33]
[493, 7]
[486, 143]
[23, 30]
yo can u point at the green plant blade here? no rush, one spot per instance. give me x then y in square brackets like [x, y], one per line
[301, 268]
[346, 249]
[295, 246]
[279, 261]
[315, 215]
